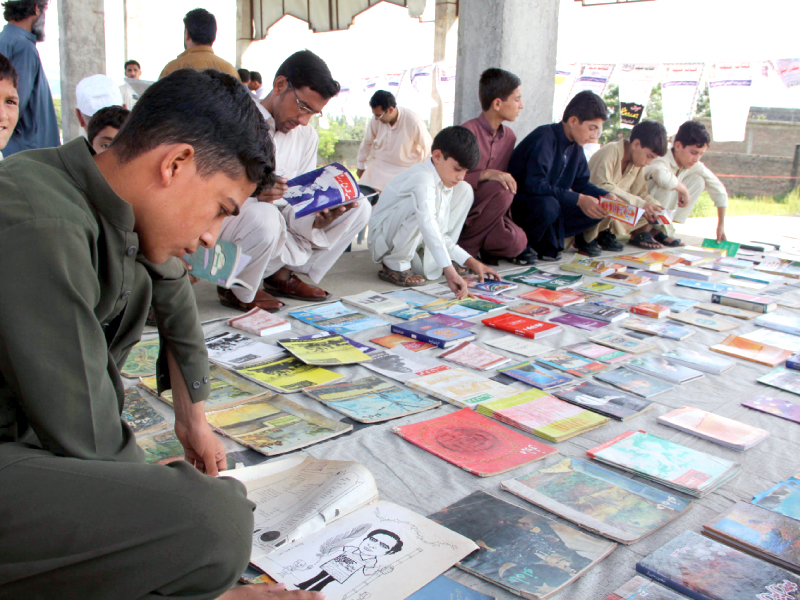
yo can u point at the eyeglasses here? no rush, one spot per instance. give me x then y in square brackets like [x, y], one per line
[304, 108]
[380, 116]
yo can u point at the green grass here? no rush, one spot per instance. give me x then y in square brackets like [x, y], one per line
[788, 204]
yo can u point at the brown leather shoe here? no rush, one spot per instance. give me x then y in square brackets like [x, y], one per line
[294, 288]
[263, 300]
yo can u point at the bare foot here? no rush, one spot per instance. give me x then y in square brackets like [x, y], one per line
[268, 591]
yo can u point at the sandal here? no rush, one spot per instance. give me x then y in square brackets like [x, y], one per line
[645, 240]
[462, 271]
[400, 278]
[662, 238]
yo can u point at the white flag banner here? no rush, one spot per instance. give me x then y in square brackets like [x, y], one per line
[789, 70]
[445, 82]
[730, 89]
[565, 78]
[679, 94]
[417, 93]
[635, 85]
[593, 78]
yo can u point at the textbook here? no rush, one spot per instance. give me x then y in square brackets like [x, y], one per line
[640, 588]
[525, 553]
[460, 387]
[473, 356]
[474, 442]
[370, 399]
[704, 569]
[401, 364]
[622, 342]
[606, 401]
[775, 406]
[319, 523]
[784, 323]
[141, 361]
[553, 297]
[598, 499]
[706, 286]
[576, 366]
[140, 415]
[324, 188]
[651, 261]
[678, 467]
[714, 428]
[432, 332]
[531, 310]
[707, 321]
[758, 304]
[597, 352]
[783, 379]
[324, 349]
[634, 382]
[597, 312]
[757, 276]
[772, 337]
[288, 374]
[260, 322]
[220, 265]
[522, 326]
[630, 279]
[782, 498]
[539, 414]
[274, 425]
[672, 303]
[337, 318]
[591, 266]
[518, 345]
[730, 311]
[236, 350]
[665, 330]
[395, 339]
[741, 347]
[663, 369]
[701, 361]
[579, 322]
[451, 308]
[609, 289]
[532, 276]
[375, 302]
[536, 376]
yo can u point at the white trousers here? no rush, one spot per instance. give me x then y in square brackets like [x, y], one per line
[669, 199]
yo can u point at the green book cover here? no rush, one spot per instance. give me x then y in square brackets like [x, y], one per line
[731, 248]
[560, 282]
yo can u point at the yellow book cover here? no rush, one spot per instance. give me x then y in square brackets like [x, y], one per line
[289, 374]
[324, 349]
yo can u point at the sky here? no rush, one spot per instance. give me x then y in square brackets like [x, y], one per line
[385, 39]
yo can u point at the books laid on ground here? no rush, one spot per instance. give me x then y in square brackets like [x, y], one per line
[324, 349]
[409, 313]
[737, 263]
[653, 275]
[525, 553]
[538, 377]
[683, 258]
[650, 309]
[793, 362]
[237, 350]
[411, 296]
[747, 349]
[571, 363]
[530, 310]
[783, 379]
[579, 322]
[606, 401]
[744, 283]
[449, 321]
[672, 303]
[141, 361]
[553, 297]
[761, 533]
[495, 298]
[522, 326]
[338, 318]
[474, 442]
[460, 387]
[597, 311]
[491, 286]
[316, 522]
[714, 428]
[693, 273]
[598, 499]
[323, 188]
[559, 283]
[701, 361]
[757, 276]
[543, 415]
[706, 321]
[634, 382]
[451, 308]
[260, 322]
[759, 304]
[707, 286]
[220, 265]
[597, 352]
[784, 323]
[532, 276]
[609, 289]
[673, 465]
[402, 364]
[622, 342]
[160, 448]
[518, 345]
[274, 425]
[432, 332]
[652, 261]
[473, 356]
[288, 374]
[771, 337]
[640, 588]
[628, 279]
[782, 498]
[370, 399]
[395, 339]
[663, 369]
[729, 248]
[479, 305]
[591, 266]
[775, 406]
[730, 311]
[140, 415]
[704, 569]
[443, 587]
[665, 330]
[780, 266]
[375, 302]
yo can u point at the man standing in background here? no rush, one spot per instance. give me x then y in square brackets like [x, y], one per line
[198, 36]
[133, 70]
[38, 126]
[256, 86]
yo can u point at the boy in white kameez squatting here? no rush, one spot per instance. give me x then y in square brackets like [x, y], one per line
[420, 214]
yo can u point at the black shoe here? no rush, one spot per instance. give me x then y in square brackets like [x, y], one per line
[591, 249]
[550, 258]
[608, 241]
[526, 257]
[490, 260]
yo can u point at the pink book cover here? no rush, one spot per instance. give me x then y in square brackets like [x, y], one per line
[554, 297]
[532, 310]
[395, 339]
[474, 443]
[256, 321]
[707, 424]
[579, 322]
[544, 411]
[473, 356]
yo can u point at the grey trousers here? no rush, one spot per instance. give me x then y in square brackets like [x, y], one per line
[91, 530]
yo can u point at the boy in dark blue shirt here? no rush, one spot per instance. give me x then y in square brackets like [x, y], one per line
[554, 198]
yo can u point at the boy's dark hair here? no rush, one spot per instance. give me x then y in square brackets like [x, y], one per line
[587, 106]
[692, 133]
[397, 547]
[652, 135]
[256, 76]
[201, 26]
[306, 69]
[244, 75]
[110, 116]
[7, 71]
[496, 83]
[210, 110]
[17, 10]
[458, 143]
[383, 99]
[133, 62]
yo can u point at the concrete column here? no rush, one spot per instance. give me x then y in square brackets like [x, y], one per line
[516, 35]
[82, 47]
[244, 28]
[446, 17]
[133, 29]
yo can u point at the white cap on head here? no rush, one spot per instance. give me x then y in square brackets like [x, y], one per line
[96, 92]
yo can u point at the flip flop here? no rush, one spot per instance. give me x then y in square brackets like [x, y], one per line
[645, 240]
[400, 277]
[661, 238]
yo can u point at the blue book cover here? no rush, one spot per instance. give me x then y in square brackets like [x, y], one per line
[444, 588]
[432, 332]
[782, 498]
[411, 297]
[338, 318]
[674, 304]
[708, 286]
[219, 265]
[784, 323]
[793, 362]
[327, 187]
[538, 377]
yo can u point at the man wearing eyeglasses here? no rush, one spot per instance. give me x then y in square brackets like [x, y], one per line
[280, 245]
[397, 138]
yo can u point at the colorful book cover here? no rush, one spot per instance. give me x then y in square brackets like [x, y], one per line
[600, 312]
[220, 265]
[432, 332]
[479, 305]
[449, 321]
[636, 383]
[621, 211]
[140, 415]
[649, 260]
[757, 276]
[338, 318]
[260, 322]
[640, 588]
[444, 588]
[572, 364]
[775, 406]
[597, 352]
[538, 377]
[704, 320]
[553, 297]
[532, 276]
[323, 188]
[451, 308]
[620, 341]
[530, 310]
[730, 311]
[161, 448]
[730, 248]
[409, 314]
[492, 287]
[522, 326]
[460, 387]
[142, 359]
[370, 399]
[761, 304]
[579, 322]
[289, 374]
[326, 349]
[518, 345]
[605, 401]
[395, 339]
[610, 289]
[526, 553]
[650, 309]
[275, 425]
[590, 266]
[674, 304]
[771, 337]
[741, 347]
[474, 357]
[410, 297]
[747, 284]
[706, 286]
[401, 364]
[474, 442]
[663, 369]
[704, 569]
[714, 428]
[782, 498]
[560, 282]
[628, 279]
[665, 330]
[783, 379]
[701, 361]
[599, 499]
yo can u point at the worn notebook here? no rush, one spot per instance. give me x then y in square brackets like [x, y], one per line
[142, 359]
[553, 297]
[775, 406]
[522, 326]
[525, 553]
[572, 364]
[705, 321]
[338, 318]
[518, 345]
[741, 347]
[622, 342]
[597, 352]
[714, 428]
[474, 442]
[236, 350]
[783, 498]
[220, 265]
[634, 382]
[663, 369]
[140, 415]
[395, 339]
[673, 465]
[599, 499]
[460, 387]
[475, 357]
[401, 364]
[324, 349]
[640, 588]
[370, 399]
[288, 374]
[701, 361]
[260, 322]
[536, 376]
[783, 379]
[661, 329]
[606, 401]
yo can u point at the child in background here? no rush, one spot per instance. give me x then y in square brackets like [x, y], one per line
[104, 125]
[9, 101]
